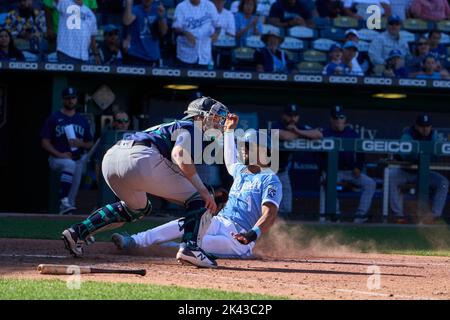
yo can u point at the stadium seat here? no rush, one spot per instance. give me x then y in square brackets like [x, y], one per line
[254, 42]
[321, 23]
[363, 46]
[225, 41]
[310, 67]
[323, 44]
[314, 56]
[443, 26]
[345, 22]
[415, 25]
[3, 19]
[291, 43]
[333, 34]
[52, 57]
[302, 32]
[293, 56]
[410, 37]
[270, 28]
[30, 57]
[263, 8]
[367, 34]
[378, 70]
[445, 39]
[234, 7]
[243, 53]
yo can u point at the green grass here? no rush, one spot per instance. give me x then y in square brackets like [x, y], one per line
[12, 289]
[415, 240]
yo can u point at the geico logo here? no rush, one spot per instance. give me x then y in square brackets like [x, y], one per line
[237, 75]
[445, 148]
[273, 77]
[325, 144]
[201, 74]
[412, 82]
[130, 70]
[306, 78]
[166, 72]
[334, 79]
[59, 67]
[88, 68]
[387, 146]
[381, 81]
[23, 65]
[441, 84]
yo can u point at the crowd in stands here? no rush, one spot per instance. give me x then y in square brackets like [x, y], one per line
[291, 36]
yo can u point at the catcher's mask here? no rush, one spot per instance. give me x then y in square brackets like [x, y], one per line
[213, 112]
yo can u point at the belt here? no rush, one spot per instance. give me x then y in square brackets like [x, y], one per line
[147, 142]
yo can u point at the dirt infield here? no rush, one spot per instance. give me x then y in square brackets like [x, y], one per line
[342, 275]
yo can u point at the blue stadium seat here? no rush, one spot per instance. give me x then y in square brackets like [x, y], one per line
[321, 23]
[291, 43]
[270, 28]
[409, 36]
[310, 67]
[30, 57]
[367, 34]
[333, 34]
[242, 59]
[52, 57]
[302, 32]
[323, 44]
[443, 26]
[314, 56]
[415, 25]
[254, 42]
[225, 41]
[345, 22]
[3, 19]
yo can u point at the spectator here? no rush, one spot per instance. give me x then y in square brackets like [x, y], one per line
[197, 25]
[400, 8]
[349, 53]
[350, 165]
[247, 23]
[387, 41]
[27, 23]
[430, 10]
[395, 65]
[67, 148]
[329, 8]
[147, 23]
[290, 130]
[111, 49]
[121, 121]
[290, 13]
[362, 60]
[358, 8]
[73, 43]
[226, 19]
[436, 47]
[335, 66]
[52, 16]
[271, 58]
[431, 69]
[421, 50]
[422, 130]
[8, 50]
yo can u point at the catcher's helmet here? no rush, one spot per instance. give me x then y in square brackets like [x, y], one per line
[208, 108]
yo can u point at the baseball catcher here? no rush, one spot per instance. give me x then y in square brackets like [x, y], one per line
[251, 209]
[157, 161]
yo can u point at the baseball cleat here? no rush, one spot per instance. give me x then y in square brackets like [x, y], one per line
[123, 241]
[72, 243]
[195, 256]
[65, 206]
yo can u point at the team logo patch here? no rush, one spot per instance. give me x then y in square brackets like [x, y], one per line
[272, 192]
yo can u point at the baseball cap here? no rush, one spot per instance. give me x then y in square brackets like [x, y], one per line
[334, 47]
[395, 53]
[423, 120]
[394, 19]
[291, 109]
[352, 31]
[337, 112]
[350, 44]
[110, 27]
[69, 92]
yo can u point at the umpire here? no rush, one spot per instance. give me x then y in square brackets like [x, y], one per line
[290, 129]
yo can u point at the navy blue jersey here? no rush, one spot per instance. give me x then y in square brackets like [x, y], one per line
[164, 136]
[348, 160]
[53, 130]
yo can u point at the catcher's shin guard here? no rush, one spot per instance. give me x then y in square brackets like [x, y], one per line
[195, 208]
[109, 217]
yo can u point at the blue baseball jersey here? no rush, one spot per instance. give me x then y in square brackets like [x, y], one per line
[248, 194]
[53, 130]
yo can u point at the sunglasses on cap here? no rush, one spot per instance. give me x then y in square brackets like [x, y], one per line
[123, 120]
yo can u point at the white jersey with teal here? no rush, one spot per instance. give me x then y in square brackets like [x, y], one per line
[248, 194]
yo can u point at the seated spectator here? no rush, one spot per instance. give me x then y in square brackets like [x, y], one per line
[290, 13]
[395, 65]
[197, 25]
[271, 58]
[358, 8]
[400, 8]
[434, 10]
[335, 66]
[8, 50]
[27, 23]
[329, 8]
[387, 41]
[247, 23]
[421, 50]
[436, 47]
[226, 19]
[362, 60]
[111, 49]
[432, 70]
[147, 23]
[349, 52]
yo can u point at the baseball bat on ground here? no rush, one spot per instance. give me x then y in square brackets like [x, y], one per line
[71, 269]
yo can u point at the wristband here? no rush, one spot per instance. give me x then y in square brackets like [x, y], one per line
[257, 231]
